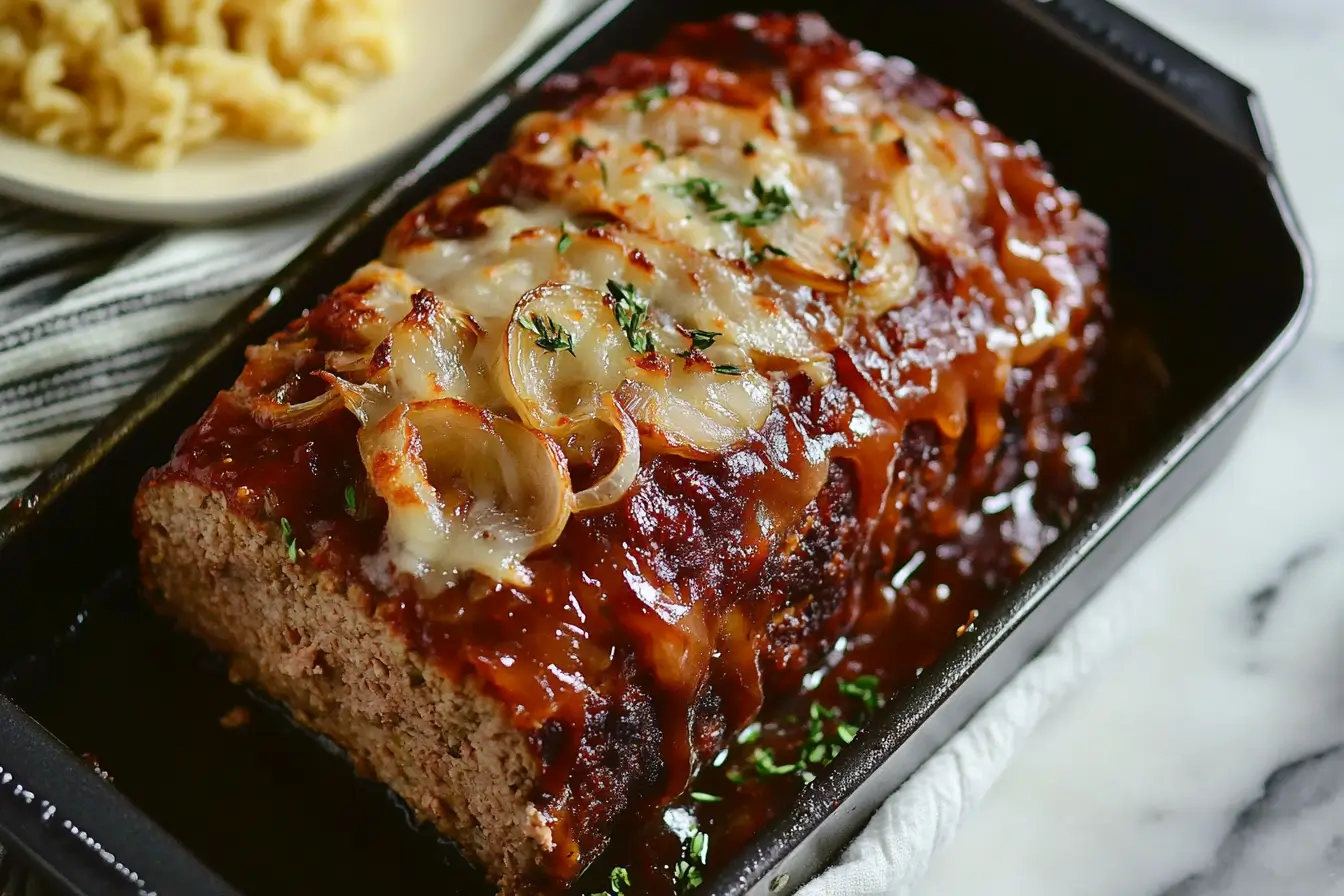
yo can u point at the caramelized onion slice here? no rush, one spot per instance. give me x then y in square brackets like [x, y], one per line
[552, 388]
[617, 480]
[466, 491]
[429, 353]
[694, 411]
[273, 411]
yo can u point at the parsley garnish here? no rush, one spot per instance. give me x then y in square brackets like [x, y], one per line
[702, 797]
[766, 766]
[602, 166]
[646, 98]
[865, 690]
[702, 190]
[655, 148]
[765, 252]
[350, 502]
[631, 314]
[728, 369]
[688, 874]
[702, 339]
[287, 534]
[564, 242]
[551, 336]
[619, 880]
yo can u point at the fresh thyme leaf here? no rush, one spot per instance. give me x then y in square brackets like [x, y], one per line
[564, 242]
[771, 204]
[648, 97]
[701, 797]
[631, 315]
[287, 535]
[702, 339]
[702, 190]
[655, 148]
[350, 501]
[851, 258]
[551, 336]
[728, 369]
[765, 252]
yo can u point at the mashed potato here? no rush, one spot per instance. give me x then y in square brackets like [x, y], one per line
[144, 81]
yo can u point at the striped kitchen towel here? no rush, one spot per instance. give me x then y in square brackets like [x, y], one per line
[88, 311]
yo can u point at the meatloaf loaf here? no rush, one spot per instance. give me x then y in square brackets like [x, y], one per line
[614, 441]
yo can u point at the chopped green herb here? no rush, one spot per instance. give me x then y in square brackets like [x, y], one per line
[581, 146]
[655, 148]
[766, 765]
[351, 503]
[702, 190]
[473, 186]
[750, 734]
[851, 258]
[786, 98]
[847, 732]
[287, 535]
[701, 797]
[721, 758]
[771, 204]
[735, 776]
[631, 314]
[748, 148]
[564, 242]
[702, 339]
[728, 369]
[551, 336]
[648, 97]
[602, 166]
[864, 689]
[619, 880]
[756, 257]
[700, 847]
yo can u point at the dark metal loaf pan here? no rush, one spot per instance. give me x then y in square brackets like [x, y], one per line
[1169, 150]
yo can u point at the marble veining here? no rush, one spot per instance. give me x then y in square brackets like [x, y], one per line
[1205, 755]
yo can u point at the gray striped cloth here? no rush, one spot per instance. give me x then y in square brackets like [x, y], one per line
[88, 311]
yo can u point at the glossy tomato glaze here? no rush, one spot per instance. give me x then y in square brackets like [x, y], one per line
[659, 627]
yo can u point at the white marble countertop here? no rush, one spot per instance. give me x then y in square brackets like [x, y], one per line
[1205, 754]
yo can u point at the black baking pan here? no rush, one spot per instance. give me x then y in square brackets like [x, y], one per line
[1169, 150]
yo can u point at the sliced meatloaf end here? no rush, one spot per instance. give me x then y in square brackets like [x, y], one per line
[309, 639]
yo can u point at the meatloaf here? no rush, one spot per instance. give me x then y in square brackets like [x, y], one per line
[621, 433]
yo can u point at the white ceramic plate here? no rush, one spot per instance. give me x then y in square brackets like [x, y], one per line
[452, 48]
